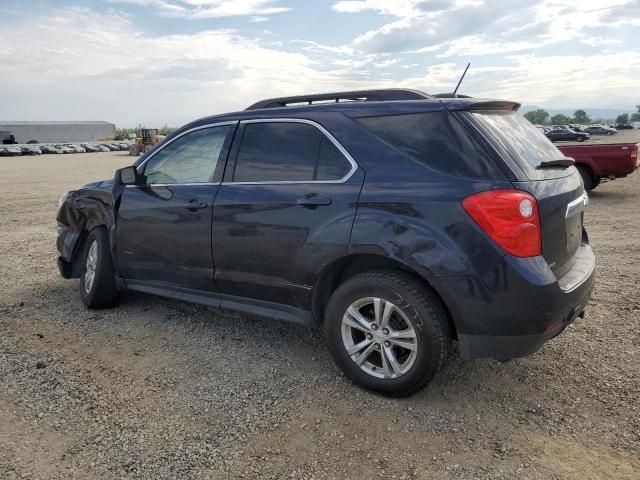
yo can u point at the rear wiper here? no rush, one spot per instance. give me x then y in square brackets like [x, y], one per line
[560, 162]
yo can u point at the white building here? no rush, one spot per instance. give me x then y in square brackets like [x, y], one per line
[58, 132]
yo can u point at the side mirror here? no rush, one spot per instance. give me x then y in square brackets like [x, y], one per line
[127, 176]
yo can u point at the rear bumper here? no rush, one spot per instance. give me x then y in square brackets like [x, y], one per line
[511, 346]
[514, 309]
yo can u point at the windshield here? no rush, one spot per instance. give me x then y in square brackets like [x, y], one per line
[527, 145]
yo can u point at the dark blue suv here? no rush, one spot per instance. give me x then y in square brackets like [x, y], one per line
[401, 222]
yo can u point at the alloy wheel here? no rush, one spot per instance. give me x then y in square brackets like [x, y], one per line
[379, 337]
[90, 266]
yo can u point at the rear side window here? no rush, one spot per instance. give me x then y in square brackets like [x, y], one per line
[436, 139]
[526, 144]
[287, 151]
[332, 165]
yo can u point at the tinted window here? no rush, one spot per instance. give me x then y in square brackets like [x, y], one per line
[276, 152]
[436, 139]
[332, 164]
[524, 142]
[280, 151]
[191, 158]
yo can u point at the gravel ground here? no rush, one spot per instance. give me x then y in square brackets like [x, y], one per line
[160, 389]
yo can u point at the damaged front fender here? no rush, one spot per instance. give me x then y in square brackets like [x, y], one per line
[81, 211]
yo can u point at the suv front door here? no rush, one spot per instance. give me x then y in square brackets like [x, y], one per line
[284, 211]
[164, 225]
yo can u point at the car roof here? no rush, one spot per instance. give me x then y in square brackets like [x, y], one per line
[359, 103]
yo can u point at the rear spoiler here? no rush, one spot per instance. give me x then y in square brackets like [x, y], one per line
[480, 104]
[495, 105]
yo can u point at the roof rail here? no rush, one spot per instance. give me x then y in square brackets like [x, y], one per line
[451, 95]
[357, 96]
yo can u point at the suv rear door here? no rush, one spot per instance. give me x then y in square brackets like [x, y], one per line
[284, 210]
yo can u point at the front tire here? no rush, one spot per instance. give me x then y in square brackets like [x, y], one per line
[387, 332]
[97, 278]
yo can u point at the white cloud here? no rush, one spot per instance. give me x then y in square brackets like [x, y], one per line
[212, 8]
[79, 64]
[476, 27]
[567, 80]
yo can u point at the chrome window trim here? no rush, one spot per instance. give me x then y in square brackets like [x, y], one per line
[173, 184]
[324, 131]
[162, 146]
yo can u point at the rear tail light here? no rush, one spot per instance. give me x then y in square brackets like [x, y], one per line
[509, 217]
[634, 152]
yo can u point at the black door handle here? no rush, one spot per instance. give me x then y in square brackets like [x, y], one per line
[313, 202]
[194, 205]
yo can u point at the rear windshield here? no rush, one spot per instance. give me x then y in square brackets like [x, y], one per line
[436, 139]
[521, 140]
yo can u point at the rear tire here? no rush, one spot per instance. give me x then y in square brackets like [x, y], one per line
[587, 179]
[580, 139]
[396, 354]
[97, 278]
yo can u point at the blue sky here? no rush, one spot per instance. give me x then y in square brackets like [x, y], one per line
[169, 61]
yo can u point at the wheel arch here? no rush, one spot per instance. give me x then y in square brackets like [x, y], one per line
[81, 215]
[341, 270]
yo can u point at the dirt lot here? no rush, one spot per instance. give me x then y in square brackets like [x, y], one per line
[160, 389]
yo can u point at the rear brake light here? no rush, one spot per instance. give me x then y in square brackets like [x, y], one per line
[509, 217]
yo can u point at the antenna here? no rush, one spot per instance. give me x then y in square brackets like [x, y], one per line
[461, 78]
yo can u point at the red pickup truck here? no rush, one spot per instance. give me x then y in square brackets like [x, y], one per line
[603, 161]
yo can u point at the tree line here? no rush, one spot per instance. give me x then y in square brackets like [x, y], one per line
[542, 117]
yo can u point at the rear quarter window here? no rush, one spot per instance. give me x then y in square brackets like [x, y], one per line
[438, 140]
[522, 142]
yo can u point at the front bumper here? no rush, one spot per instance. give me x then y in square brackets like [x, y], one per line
[66, 268]
[513, 311]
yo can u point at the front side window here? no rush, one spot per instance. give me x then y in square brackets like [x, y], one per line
[287, 151]
[191, 158]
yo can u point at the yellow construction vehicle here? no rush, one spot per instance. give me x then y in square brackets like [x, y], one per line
[149, 139]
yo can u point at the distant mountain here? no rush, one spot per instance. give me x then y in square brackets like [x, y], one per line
[594, 113]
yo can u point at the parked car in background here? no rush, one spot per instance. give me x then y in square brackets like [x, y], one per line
[597, 162]
[564, 133]
[47, 149]
[102, 148]
[31, 150]
[611, 125]
[90, 148]
[4, 152]
[600, 130]
[65, 149]
[468, 225]
[57, 149]
[111, 147]
[576, 127]
[77, 148]
[624, 126]
[11, 151]
[123, 147]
